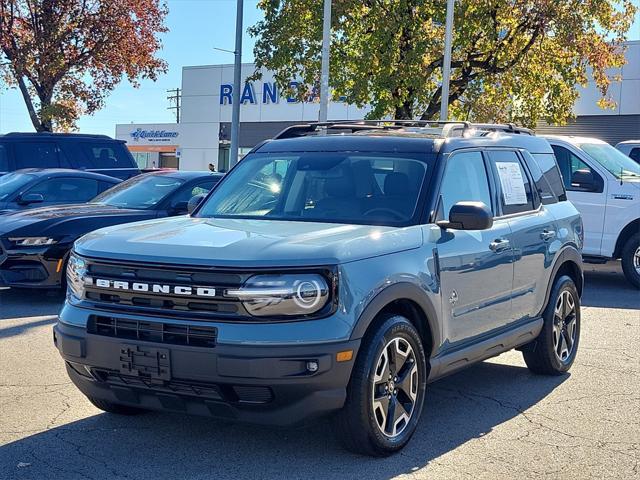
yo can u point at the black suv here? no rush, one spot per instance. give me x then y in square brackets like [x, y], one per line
[96, 153]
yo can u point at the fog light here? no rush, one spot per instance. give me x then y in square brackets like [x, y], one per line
[312, 366]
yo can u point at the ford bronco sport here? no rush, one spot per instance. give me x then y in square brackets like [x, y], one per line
[337, 268]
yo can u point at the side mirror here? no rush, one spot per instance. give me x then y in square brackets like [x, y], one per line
[179, 208]
[29, 198]
[584, 180]
[194, 202]
[468, 216]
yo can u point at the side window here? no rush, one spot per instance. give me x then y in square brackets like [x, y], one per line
[569, 164]
[4, 159]
[108, 155]
[39, 155]
[634, 153]
[66, 190]
[188, 193]
[546, 177]
[516, 195]
[465, 179]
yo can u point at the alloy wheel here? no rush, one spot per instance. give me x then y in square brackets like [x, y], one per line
[636, 260]
[395, 387]
[564, 326]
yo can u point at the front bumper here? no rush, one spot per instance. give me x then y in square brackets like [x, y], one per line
[250, 383]
[31, 267]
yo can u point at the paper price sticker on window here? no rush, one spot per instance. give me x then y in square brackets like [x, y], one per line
[513, 191]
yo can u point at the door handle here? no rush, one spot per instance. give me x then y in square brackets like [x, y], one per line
[547, 234]
[499, 245]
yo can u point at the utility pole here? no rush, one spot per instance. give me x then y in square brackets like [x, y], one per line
[324, 75]
[237, 77]
[446, 63]
[174, 102]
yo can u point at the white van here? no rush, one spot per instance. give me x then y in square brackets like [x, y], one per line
[630, 148]
[604, 185]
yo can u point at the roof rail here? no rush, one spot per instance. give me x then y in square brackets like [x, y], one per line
[449, 129]
[56, 134]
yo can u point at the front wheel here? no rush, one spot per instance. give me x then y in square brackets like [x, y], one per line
[387, 389]
[554, 351]
[631, 260]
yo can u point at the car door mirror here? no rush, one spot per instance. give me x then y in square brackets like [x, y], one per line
[29, 198]
[468, 216]
[584, 180]
[179, 208]
[194, 202]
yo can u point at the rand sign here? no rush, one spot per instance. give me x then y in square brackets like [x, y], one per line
[268, 93]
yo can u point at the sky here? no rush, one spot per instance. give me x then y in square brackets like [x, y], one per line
[195, 28]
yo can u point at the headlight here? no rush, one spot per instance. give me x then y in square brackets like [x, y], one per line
[283, 295]
[76, 273]
[33, 241]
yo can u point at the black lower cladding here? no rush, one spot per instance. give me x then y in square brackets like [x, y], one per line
[118, 362]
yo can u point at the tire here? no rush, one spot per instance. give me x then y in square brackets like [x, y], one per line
[631, 260]
[116, 408]
[361, 422]
[545, 355]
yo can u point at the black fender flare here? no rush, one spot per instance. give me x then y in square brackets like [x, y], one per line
[567, 254]
[400, 291]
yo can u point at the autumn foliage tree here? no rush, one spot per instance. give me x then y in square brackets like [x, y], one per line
[66, 56]
[513, 60]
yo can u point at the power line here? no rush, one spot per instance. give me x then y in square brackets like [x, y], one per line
[174, 102]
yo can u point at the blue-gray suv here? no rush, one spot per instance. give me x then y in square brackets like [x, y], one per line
[338, 268]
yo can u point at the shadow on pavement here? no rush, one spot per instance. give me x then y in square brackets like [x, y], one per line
[29, 303]
[460, 408]
[6, 332]
[606, 287]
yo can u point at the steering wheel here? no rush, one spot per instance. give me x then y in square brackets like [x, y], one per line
[397, 215]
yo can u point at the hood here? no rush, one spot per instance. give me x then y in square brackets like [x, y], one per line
[66, 219]
[244, 243]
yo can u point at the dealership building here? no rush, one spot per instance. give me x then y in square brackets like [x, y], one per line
[203, 135]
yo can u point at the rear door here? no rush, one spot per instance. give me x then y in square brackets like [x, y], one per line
[590, 203]
[533, 230]
[476, 267]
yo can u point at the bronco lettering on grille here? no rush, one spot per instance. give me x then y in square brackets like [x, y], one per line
[152, 287]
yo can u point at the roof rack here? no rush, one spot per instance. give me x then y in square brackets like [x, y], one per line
[449, 129]
[55, 134]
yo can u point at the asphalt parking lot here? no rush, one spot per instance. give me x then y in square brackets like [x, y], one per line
[495, 420]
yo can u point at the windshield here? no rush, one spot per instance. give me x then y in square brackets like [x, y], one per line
[612, 159]
[359, 187]
[139, 193]
[13, 182]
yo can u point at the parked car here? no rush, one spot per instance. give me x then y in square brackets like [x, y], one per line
[604, 184]
[95, 153]
[631, 148]
[333, 273]
[35, 244]
[34, 187]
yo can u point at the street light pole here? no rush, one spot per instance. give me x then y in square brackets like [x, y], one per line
[446, 63]
[324, 75]
[237, 78]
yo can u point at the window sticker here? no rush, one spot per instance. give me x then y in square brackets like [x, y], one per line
[513, 191]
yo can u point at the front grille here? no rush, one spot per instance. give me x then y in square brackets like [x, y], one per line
[158, 332]
[170, 304]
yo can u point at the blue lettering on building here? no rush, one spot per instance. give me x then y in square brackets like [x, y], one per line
[270, 94]
[153, 135]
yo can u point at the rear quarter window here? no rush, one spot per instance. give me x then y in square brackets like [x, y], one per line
[108, 155]
[546, 176]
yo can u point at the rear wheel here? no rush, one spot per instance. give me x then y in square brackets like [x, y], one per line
[387, 389]
[554, 351]
[631, 260]
[116, 408]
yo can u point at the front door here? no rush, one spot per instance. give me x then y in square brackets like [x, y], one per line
[590, 204]
[476, 268]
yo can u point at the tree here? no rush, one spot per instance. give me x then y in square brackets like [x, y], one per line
[66, 56]
[512, 60]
